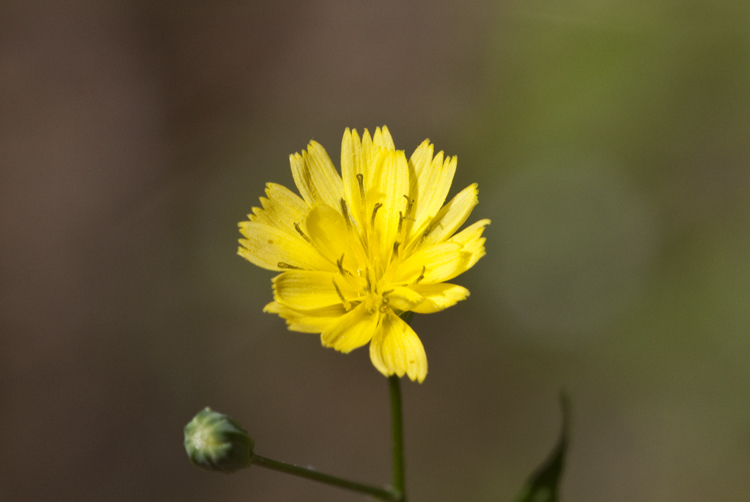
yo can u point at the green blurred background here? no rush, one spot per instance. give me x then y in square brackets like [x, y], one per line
[610, 144]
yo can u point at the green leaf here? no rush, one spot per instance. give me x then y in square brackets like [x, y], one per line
[542, 485]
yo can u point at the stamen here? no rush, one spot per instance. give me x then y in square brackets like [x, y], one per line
[361, 182]
[400, 222]
[296, 227]
[395, 247]
[347, 305]
[409, 204]
[345, 212]
[374, 212]
[340, 263]
[421, 276]
[367, 277]
[281, 264]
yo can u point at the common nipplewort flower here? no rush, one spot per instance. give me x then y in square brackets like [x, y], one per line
[361, 248]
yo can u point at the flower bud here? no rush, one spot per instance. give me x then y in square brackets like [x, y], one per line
[215, 442]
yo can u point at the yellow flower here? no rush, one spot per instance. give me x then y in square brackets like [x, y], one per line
[358, 250]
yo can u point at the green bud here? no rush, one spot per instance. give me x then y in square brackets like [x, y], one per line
[215, 442]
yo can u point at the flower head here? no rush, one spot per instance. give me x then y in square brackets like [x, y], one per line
[215, 442]
[361, 248]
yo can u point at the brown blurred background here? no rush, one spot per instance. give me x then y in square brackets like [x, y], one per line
[610, 144]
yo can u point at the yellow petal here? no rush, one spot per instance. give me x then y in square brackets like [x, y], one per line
[309, 321]
[433, 182]
[352, 165]
[360, 163]
[438, 297]
[383, 138]
[366, 141]
[351, 331]
[302, 290]
[274, 249]
[282, 209]
[472, 241]
[432, 264]
[396, 349]
[350, 146]
[316, 177]
[403, 299]
[392, 181]
[332, 237]
[419, 162]
[449, 218]
[372, 155]
[328, 232]
[362, 159]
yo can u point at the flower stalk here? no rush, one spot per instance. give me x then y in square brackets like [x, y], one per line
[399, 471]
[391, 495]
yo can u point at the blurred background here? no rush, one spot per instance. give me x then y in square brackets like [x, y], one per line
[610, 144]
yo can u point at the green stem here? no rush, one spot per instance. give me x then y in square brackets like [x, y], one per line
[306, 472]
[399, 476]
